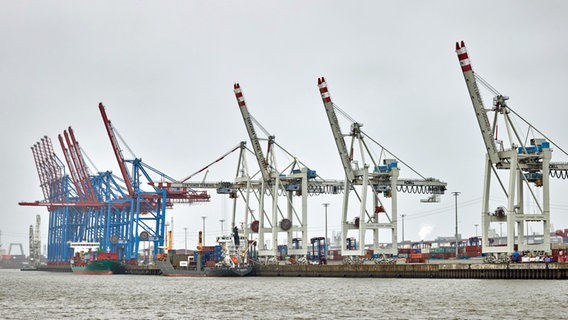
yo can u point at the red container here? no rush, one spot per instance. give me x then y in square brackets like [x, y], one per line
[416, 256]
[107, 256]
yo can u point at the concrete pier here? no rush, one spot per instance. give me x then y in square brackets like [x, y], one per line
[446, 271]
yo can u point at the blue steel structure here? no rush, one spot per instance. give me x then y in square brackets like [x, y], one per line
[116, 213]
[71, 220]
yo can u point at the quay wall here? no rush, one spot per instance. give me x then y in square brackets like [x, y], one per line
[445, 271]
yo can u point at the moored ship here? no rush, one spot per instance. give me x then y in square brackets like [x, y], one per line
[228, 259]
[89, 259]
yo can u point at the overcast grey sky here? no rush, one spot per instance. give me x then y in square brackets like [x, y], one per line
[165, 73]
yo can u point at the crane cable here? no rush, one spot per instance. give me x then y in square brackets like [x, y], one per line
[423, 214]
[349, 118]
[260, 126]
[486, 84]
[553, 173]
[123, 142]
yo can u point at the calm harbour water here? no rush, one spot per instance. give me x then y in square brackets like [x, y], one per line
[47, 295]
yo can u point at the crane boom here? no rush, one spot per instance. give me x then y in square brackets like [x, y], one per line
[40, 170]
[53, 172]
[72, 169]
[83, 174]
[337, 135]
[478, 107]
[262, 162]
[117, 151]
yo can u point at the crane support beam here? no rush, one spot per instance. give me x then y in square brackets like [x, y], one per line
[316, 186]
[560, 166]
[480, 112]
[83, 204]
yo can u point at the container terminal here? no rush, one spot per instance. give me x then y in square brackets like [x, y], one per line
[125, 217]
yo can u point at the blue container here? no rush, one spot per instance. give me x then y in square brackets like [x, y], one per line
[312, 174]
[545, 145]
[529, 149]
[381, 168]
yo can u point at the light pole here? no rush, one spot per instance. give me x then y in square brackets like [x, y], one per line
[185, 248]
[456, 194]
[203, 230]
[325, 205]
[222, 220]
[403, 227]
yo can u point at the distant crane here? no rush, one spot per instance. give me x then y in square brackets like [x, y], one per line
[526, 161]
[97, 208]
[35, 243]
[149, 206]
[368, 174]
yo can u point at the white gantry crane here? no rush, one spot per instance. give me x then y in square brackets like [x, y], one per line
[366, 174]
[295, 180]
[270, 212]
[526, 160]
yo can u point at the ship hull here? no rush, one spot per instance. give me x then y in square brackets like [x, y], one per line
[98, 267]
[28, 268]
[229, 271]
[221, 271]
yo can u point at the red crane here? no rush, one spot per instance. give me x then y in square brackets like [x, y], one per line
[83, 174]
[72, 168]
[117, 151]
[177, 195]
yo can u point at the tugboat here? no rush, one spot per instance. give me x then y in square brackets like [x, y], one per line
[233, 259]
[88, 258]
